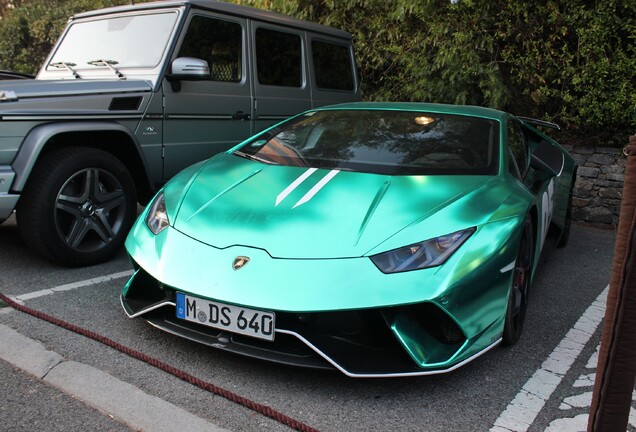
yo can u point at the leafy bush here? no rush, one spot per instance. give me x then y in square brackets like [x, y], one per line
[569, 61]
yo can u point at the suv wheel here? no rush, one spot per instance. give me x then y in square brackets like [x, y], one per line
[77, 207]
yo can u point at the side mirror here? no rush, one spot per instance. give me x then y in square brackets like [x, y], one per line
[547, 159]
[187, 69]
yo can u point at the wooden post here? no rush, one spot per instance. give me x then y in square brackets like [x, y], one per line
[616, 370]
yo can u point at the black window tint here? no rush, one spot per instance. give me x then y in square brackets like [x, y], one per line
[332, 65]
[382, 142]
[517, 144]
[278, 58]
[217, 42]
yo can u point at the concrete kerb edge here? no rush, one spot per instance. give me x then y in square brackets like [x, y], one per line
[105, 393]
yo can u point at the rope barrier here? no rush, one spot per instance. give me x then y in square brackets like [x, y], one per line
[240, 400]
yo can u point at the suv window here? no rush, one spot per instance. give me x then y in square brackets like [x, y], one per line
[219, 43]
[278, 58]
[125, 41]
[332, 66]
[518, 147]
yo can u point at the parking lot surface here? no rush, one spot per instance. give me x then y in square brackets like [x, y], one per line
[507, 389]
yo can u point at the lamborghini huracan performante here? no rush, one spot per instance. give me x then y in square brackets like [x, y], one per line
[379, 239]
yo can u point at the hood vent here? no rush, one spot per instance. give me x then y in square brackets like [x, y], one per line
[125, 104]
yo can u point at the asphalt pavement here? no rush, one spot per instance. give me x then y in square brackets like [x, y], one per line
[59, 378]
[89, 386]
[29, 404]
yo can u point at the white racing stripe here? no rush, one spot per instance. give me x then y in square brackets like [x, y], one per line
[289, 189]
[524, 408]
[314, 190]
[71, 286]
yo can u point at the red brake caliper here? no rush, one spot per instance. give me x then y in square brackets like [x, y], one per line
[521, 277]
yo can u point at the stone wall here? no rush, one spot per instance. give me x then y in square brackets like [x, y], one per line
[599, 184]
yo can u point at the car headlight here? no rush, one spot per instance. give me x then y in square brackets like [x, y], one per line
[157, 219]
[429, 253]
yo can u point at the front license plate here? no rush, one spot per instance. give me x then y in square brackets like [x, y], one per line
[236, 319]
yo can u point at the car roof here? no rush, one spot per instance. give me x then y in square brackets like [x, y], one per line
[226, 8]
[469, 110]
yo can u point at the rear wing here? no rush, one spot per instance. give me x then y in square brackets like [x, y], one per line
[538, 122]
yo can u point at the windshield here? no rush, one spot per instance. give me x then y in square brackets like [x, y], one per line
[382, 142]
[137, 41]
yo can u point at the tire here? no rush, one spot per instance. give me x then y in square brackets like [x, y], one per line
[565, 234]
[77, 206]
[520, 287]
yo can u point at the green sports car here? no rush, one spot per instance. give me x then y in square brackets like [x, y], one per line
[379, 239]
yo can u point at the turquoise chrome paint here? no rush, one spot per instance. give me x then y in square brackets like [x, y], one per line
[312, 255]
[233, 201]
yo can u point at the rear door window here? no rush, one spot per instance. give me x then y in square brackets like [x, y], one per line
[333, 67]
[278, 58]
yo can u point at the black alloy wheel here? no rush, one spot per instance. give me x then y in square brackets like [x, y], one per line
[89, 209]
[518, 298]
[78, 206]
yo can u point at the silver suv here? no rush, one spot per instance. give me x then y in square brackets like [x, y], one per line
[131, 95]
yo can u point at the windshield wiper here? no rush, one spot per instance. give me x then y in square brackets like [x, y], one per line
[254, 158]
[67, 66]
[109, 64]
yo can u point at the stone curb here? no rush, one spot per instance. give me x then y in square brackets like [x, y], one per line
[96, 388]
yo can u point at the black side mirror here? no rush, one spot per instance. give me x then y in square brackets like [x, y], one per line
[548, 159]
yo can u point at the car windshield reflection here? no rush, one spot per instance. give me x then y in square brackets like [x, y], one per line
[383, 142]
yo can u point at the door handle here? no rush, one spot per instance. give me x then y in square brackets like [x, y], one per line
[240, 115]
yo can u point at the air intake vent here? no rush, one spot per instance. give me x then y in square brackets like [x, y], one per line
[436, 322]
[125, 104]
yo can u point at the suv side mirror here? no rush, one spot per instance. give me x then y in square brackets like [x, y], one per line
[187, 69]
[548, 159]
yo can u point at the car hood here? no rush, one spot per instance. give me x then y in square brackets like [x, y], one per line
[27, 89]
[297, 212]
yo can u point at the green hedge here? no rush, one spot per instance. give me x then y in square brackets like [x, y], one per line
[567, 61]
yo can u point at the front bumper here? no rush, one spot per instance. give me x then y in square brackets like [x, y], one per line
[332, 313]
[366, 343]
[8, 200]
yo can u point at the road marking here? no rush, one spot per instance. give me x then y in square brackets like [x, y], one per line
[71, 286]
[573, 405]
[524, 408]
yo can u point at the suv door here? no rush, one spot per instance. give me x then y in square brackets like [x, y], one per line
[202, 118]
[281, 87]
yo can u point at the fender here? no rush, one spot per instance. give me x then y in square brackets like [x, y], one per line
[37, 138]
